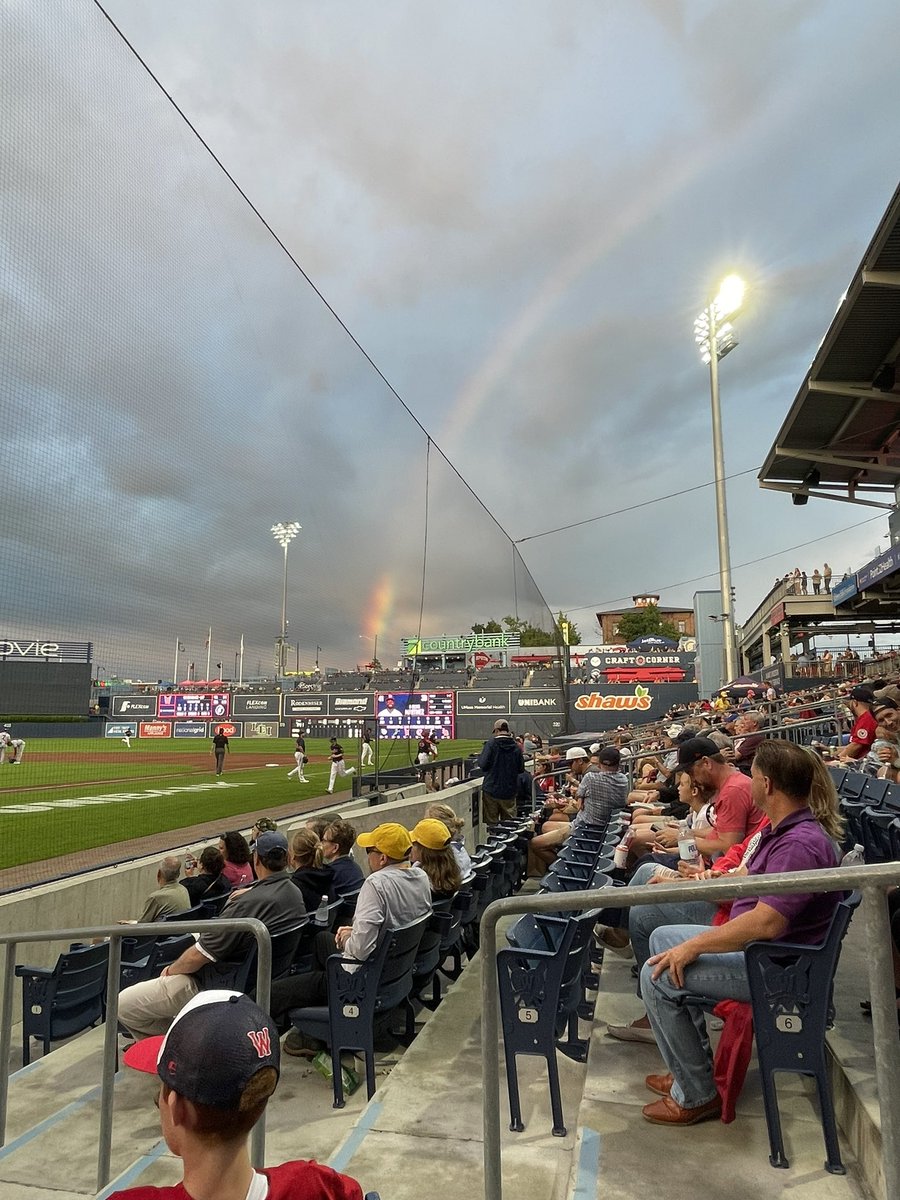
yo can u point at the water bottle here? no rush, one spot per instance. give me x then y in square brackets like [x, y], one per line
[620, 855]
[855, 857]
[687, 847]
[321, 917]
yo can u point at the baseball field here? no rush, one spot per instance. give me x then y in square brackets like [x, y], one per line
[74, 794]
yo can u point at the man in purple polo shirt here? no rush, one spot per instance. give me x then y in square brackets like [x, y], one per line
[698, 960]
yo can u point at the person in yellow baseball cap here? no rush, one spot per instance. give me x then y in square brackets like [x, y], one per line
[391, 840]
[433, 851]
[396, 892]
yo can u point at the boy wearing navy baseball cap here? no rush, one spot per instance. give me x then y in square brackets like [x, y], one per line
[219, 1064]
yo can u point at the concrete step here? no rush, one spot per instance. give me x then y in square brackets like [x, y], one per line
[619, 1154]
[429, 1115]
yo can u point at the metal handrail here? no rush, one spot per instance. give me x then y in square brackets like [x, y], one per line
[116, 933]
[872, 881]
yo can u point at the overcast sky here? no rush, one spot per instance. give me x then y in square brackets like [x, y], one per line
[516, 208]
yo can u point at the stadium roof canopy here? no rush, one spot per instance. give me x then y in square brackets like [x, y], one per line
[841, 438]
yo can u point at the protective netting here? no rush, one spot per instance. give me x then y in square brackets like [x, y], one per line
[170, 387]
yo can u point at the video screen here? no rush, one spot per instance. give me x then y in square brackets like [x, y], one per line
[187, 706]
[408, 714]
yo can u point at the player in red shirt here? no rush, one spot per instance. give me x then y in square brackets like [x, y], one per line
[219, 1064]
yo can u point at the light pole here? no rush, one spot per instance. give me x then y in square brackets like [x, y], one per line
[715, 336]
[179, 649]
[284, 533]
[374, 640]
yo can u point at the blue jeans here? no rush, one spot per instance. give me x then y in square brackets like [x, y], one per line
[643, 919]
[680, 1029]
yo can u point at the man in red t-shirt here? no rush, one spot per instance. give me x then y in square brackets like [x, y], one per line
[862, 735]
[737, 817]
[219, 1065]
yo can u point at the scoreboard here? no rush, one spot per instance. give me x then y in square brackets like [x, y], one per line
[414, 712]
[187, 706]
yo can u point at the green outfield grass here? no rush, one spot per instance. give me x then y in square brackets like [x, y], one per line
[43, 809]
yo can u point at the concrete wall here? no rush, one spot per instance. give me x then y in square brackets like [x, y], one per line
[114, 893]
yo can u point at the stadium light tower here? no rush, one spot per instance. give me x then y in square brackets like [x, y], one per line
[284, 533]
[716, 337]
[366, 637]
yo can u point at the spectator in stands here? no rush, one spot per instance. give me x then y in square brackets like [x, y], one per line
[147, 1009]
[432, 849]
[456, 825]
[544, 846]
[170, 896]
[395, 892]
[204, 878]
[884, 757]
[748, 731]
[687, 959]
[319, 823]
[737, 818]
[236, 853]
[862, 735]
[602, 793]
[219, 1064]
[502, 762]
[261, 825]
[337, 849]
[311, 874]
[736, 814]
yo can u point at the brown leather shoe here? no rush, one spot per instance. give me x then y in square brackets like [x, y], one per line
[667, 1112]
[661, 1084]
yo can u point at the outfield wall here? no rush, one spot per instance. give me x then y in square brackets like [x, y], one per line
[119, 892]
[44, 688]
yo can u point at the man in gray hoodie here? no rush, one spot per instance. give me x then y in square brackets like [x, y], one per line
[502, 762]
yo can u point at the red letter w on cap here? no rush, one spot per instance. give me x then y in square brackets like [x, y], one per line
[262, 1043]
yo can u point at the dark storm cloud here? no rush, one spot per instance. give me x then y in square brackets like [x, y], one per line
[519, 230]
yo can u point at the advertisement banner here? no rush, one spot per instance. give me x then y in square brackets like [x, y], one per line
[407, 714]
[155, 729]
[879, 568]
[845, 590]
[635, 666]
[120, 729]
[229, 728]
[255, 706]
[535, 700]
[44, 650]
[260, 729]
[472, 702]
[175, 706]
[305, 704]
[134, 706]
[351, 704]
[611, 705]
[189, 729]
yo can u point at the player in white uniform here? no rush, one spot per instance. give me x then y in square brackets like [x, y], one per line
[16, 749]
[5, 739]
